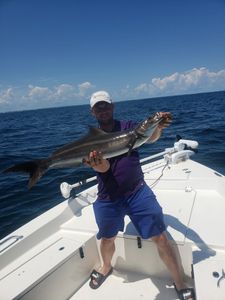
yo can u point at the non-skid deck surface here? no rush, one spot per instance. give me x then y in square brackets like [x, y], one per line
[128, 286]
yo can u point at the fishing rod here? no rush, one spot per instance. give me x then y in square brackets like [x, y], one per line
[66, 188]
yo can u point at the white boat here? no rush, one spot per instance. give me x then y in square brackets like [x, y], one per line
[51, 257]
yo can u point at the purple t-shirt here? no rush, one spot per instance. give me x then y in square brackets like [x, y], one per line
[125, 175]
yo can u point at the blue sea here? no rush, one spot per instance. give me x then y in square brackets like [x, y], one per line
[34, 134]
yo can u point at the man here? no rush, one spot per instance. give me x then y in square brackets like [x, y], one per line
[123, 191]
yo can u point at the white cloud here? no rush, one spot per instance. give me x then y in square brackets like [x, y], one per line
[38, 96]
[166, 81]
[37, 92]
[143, 87]
[6, 96]
[63, 90]
[84, 88]
[59, 93]
[195, 80]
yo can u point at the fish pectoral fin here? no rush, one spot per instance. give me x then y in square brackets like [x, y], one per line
[130, 145]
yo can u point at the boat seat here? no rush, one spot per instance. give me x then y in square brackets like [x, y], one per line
[64, 255]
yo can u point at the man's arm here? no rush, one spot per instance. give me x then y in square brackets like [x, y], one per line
[167, 119]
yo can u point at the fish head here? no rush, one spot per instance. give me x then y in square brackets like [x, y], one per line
[146, 127]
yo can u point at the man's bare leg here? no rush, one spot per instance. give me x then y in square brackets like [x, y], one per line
[107, 249]
[167, 255]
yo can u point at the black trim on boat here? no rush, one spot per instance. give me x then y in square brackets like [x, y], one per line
[81, 251]
[139, 243]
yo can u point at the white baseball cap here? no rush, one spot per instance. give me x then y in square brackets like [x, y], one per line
[100, 96]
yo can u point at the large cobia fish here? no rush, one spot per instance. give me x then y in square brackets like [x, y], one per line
[72, 154]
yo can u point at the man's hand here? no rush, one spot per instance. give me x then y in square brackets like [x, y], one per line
[167, 119]
[96, 161]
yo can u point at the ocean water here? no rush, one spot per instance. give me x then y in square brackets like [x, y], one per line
[36, 134]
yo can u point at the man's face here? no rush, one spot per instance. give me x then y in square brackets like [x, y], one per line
[103, 112]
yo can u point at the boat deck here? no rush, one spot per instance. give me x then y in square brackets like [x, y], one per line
[47, 262]
[123, 286]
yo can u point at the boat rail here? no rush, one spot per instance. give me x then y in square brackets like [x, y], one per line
[181, 150]
[14, 239]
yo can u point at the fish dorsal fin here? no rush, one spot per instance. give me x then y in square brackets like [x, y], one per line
[91, 135]
[93, 131]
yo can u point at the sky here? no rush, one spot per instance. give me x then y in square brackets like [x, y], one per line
[58, 52]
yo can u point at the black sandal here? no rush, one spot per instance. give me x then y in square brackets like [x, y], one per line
[99, 278]
[185, 294]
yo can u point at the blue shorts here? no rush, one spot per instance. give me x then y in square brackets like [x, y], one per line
[142, 208]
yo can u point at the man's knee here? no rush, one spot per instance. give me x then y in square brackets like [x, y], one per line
[161, 240]
[108, 241]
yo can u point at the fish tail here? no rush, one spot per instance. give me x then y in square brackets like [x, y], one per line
[35, 168]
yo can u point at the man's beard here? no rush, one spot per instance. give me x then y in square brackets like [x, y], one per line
[105, 122]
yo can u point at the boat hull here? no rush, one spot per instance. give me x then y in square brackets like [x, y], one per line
[57, 251]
